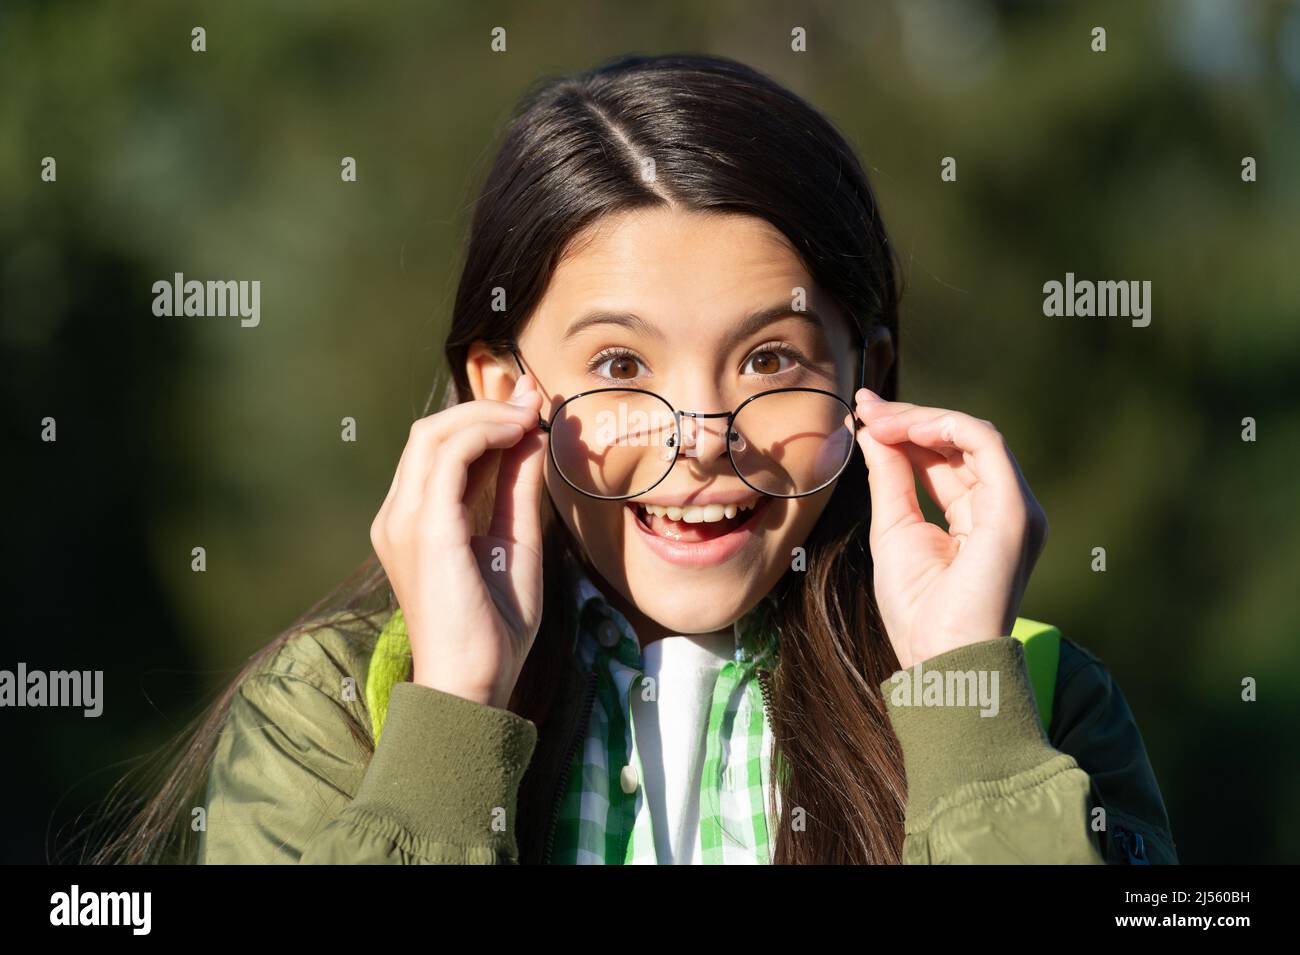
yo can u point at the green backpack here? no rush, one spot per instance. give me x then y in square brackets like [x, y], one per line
[1042, 643]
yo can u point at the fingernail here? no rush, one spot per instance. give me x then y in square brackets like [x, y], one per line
[516, 396]
[865, 394]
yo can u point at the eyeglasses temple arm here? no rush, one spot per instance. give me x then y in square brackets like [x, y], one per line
[514, 353]
[862, 378]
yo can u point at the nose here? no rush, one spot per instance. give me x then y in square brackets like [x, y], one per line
[704, 435]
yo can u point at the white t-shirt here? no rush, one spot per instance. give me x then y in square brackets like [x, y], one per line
[669, 733]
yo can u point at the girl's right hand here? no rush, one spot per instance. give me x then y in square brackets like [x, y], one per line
[472, 603]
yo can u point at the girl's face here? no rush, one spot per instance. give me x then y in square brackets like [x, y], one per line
[700, 309]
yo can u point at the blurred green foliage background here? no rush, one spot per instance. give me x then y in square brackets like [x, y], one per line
[225, 164]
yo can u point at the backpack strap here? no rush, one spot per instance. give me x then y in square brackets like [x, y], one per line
[1042, 643]
[389, 664]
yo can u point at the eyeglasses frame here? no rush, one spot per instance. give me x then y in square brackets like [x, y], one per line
[677, 420]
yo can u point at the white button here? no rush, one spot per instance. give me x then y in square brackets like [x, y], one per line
[627, 779]
[608, 633]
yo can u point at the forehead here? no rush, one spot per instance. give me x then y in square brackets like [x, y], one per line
[682, 270]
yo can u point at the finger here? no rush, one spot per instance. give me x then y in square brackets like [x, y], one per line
[946, 485]
[893, 427]
[444, 506]
[955, 426]
[429, 432]
[516, 514]
[978, 445]
[869, 405]
[506, 471]
[952, 433]
[892, 486]
[485, 469]
[944, 480]
[517, 511]
[977, 455]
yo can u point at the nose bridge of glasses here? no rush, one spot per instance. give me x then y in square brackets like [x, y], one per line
[705, 433]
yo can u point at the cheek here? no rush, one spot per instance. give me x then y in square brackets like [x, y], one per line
[787, 537]
[789, 523]
[595, 525]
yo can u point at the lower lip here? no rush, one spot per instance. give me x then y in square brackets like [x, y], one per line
[697, 553]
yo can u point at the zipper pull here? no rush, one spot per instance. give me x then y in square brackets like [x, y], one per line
[1135, 850]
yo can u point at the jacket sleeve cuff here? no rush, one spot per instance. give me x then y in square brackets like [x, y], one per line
[965, 716]
[447, 771]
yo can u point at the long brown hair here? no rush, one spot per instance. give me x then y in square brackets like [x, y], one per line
[722, 137]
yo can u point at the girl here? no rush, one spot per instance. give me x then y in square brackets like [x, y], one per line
[656, 586]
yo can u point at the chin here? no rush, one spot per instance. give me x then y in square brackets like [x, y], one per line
[692, 600]
[704, 612]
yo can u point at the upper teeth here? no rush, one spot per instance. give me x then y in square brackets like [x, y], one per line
[698, 514]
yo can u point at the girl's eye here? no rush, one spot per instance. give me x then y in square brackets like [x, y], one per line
[620, 366]
[769, 361]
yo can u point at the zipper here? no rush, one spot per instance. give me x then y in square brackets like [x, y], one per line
[589, 698]
[764, 676]
[764, 684]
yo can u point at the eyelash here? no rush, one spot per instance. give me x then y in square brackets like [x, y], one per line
[608, 354]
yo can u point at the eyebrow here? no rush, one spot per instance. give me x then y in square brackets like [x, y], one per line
[628, 320]
[752, 323]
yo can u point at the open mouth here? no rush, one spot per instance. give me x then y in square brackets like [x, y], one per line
[695, 523]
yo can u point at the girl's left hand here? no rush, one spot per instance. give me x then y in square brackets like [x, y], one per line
[939, 590]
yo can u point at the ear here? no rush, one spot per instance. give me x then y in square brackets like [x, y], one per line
[880, 357]
[490, 375]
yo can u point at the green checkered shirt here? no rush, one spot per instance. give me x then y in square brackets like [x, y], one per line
[603, 825]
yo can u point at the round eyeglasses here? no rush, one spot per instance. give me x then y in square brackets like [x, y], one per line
[618, 443]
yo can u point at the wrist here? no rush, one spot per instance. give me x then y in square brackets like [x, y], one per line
[931, 647]
[495, 696]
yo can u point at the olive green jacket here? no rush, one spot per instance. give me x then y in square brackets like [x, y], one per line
[452, 781]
